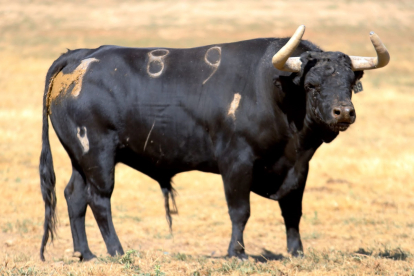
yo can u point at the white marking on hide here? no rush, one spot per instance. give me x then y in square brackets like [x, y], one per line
[85, 63]
[214, 65]
[146, 141]
[234, 105]
[83, 140]
[159, 59]
[82, 70]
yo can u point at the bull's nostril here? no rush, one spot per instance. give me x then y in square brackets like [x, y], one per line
[352, 113]
[337, 112]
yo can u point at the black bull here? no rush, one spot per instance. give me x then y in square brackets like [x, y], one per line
[222, 109]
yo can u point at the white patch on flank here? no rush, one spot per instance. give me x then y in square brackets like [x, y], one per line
[83, 140]
[159, 59]
[85, 63]
[146, 141]
[82, 70]
[214, 65]
[234, 105]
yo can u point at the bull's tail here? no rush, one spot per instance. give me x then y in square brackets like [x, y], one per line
[168, 193]
[46, 171]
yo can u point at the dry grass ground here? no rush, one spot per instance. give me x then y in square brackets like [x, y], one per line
[359, 201]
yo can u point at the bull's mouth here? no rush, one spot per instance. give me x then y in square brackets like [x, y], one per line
[334, 126]
[340, 126]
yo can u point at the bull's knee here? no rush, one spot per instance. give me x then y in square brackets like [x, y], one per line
[68, 191]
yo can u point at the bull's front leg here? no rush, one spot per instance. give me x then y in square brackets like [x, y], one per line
[237, 178]
[291, 206]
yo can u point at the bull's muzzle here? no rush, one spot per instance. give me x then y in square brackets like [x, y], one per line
[344, 116]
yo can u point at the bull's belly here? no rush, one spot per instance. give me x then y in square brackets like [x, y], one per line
[163, 152]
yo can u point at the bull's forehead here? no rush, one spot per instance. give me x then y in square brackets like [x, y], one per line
[330, 70]
[338, 60]
[330, 55]
[332, 65]
[338, 79]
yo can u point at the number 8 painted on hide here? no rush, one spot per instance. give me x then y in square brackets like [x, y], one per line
[156, 56]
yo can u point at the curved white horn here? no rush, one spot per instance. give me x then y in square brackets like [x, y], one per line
[282, 60]
[367, 63]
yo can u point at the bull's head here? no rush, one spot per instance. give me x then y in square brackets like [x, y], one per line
[328, 79]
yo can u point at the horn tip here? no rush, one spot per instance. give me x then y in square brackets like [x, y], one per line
[300, 30]
[371, 33]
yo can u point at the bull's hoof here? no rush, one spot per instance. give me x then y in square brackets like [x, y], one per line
[297, 254]
[87, 257]
[295, 247]
[78, 256]
[241, 256]
[118, 251]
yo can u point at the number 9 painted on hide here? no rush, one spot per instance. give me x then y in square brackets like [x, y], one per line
[215, 63]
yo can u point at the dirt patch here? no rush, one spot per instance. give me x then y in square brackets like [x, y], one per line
[60, 82]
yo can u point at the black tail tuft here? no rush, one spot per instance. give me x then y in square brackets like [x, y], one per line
[47, 185]
[168, 193]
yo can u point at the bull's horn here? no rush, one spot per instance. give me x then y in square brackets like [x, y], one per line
[282, 60]
[367, 63]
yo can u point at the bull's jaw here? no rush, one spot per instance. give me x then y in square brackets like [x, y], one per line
[322, 129]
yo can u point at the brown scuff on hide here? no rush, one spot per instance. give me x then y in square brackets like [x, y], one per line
[61, 82]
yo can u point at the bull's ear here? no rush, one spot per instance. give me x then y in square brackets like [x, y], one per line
[305, 57]
[308, 61]
[297, 80]
[358, 75]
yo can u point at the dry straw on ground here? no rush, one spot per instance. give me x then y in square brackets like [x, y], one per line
[359, 201]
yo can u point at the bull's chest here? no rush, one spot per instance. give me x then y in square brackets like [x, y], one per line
[285, 172]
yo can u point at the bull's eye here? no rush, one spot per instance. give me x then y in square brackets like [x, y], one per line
[313, 88]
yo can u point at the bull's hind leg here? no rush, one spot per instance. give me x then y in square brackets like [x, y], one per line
[100, 185]
[75, 194]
